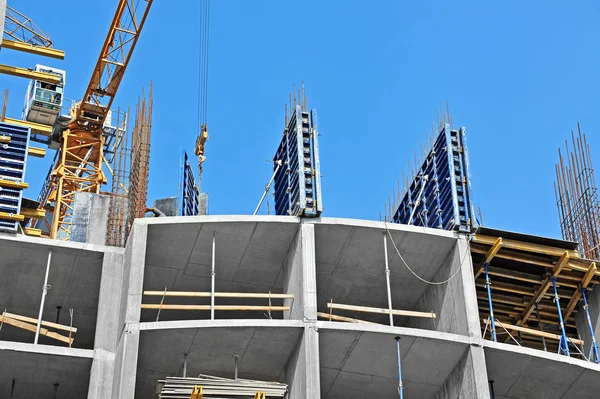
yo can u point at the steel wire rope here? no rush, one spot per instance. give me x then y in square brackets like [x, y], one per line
[413, 272]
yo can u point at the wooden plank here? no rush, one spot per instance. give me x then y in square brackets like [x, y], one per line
[342, 318]
[571, 307]
[44, 323]
[543, 289]
[13, 184]
[489, 256]
[33, 328]
[578, 265]
[537, 333]
[4, 139]
[217, 307]
[524, 246]
[219, 294]
[30, 231]
[11, 216]
[36, 152]
[395, 312]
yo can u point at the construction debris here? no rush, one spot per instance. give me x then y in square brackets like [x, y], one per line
[218, 388]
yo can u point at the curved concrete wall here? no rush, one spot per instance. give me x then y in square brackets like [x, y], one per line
[319, 261]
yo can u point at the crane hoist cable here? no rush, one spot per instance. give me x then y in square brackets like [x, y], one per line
[202, 126]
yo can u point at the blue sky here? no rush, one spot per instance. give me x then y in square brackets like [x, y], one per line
[518, 75]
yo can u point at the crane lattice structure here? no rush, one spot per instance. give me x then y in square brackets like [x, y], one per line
[79, 163]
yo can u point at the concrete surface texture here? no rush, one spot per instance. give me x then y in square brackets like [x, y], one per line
[90, 218]
[317, 260]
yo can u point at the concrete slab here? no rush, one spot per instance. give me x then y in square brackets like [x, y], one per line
[250, 254]
[264, 351]
[74, 279]
[357, 363]
[351, 264]
[522, 373]
[36, 373]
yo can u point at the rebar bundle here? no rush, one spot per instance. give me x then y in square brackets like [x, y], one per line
[140, 161]
[218, 388]
[577, 197]
[117, 216]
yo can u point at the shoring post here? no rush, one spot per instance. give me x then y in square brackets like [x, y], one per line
[387, 279]
[212, 284]
[589, 319]
[537, 311]
[236, 359]
[492, 389]
[564, 344]
[488, 286]
[400, 386]
[44, 292]
[184, 365]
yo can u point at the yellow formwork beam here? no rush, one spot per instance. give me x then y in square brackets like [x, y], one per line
[36, 152]
[33, 213]
[12, 216]
[29, 231]
[13, 184]
[30, 48]
[4, 139]
[29, 74]
[38, 128]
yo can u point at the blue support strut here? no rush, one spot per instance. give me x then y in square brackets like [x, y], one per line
[564, 344]
[589, 319]
[400, 386]
[488, 285]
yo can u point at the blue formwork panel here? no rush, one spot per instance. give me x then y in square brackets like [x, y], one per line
[13, 159]
[188, 190]
[297, 185]
[440, 194]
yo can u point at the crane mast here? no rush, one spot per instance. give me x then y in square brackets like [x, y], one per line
[79, 163]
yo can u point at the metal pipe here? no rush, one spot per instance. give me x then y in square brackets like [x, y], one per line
[58, 308]
[44, 292]
[184, 365]
[236, 358]
[589, 319]
[400, 386]
[537, 310]
[564, 341]
[488, 285]
[212, 285]
[492, 389]
[268, 187]
[387, 279]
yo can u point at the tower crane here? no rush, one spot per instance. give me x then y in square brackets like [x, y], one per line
[78, 165]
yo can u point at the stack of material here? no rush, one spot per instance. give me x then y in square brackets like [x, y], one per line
[218, 388]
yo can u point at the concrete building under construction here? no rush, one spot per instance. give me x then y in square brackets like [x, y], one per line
[99, 301]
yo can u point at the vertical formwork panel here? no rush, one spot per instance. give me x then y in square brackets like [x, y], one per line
[297, 183]
[188, 190]
[14, 145]
[440, 194]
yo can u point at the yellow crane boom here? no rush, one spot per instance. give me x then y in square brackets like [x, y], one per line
[78, 166]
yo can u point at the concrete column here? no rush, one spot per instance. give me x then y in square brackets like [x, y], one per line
[302, 371]
[107, 326]
[468, 379]
[455, 303]
[129, 315]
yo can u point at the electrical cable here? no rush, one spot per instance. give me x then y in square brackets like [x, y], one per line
[415, 274]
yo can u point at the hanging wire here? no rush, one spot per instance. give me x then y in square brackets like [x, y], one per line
[461, 259]
[203, 62]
